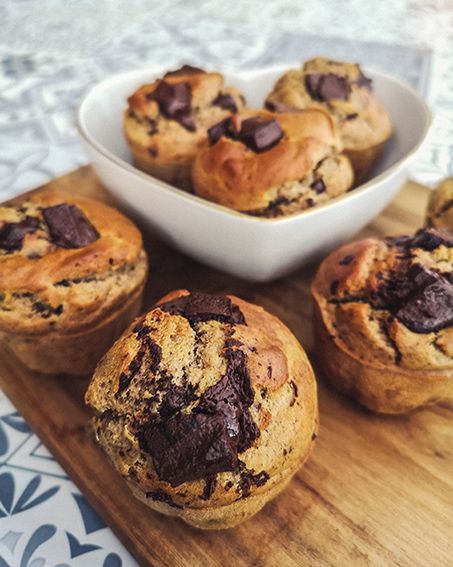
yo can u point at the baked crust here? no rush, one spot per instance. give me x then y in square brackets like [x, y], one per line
[440, 206]
[55, 299]
[362, 121]
[365, 350]
[231, 174]
[163, 147]
[193, 355]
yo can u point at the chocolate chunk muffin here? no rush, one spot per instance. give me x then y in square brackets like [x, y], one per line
[207, 407]
[167, 120]
[383, 319]
[72, 272]
[270, 165]
[440, 207]
[347, 94]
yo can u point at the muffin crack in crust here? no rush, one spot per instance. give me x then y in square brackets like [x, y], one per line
[198, 389]
[389, 307]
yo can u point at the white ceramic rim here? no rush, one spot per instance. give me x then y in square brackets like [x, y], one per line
[368, 186]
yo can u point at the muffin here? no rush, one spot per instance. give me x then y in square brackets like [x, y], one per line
[167, 120]
[440, 206]
[269, 165]
[72, 272]
[383, 318]
[346, 93]
[207, 407]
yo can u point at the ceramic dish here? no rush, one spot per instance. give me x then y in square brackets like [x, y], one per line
[254, 248]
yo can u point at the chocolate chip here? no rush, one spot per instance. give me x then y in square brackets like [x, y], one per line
[226, 102]
[334, 287]
[153, 151]
[363, 80]
[218, 130]
[326, 87]
[185, 70]
[346, 260]
[153, 130]
[260, 134]
[318, 185]
[198, 307]
[310, 202]
[69, 227]
[248, 479]
[351, 116]
[175, 102]
[12, 234]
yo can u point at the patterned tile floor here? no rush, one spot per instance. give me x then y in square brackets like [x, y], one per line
[52, 52]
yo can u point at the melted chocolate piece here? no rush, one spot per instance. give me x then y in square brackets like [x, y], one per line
[426, 238]
[363, 80]
[248, 478]
[226, 102]
[155, 353]
[185, 70]
[326, 87]
[218, 130]
[190, 446]
[346, 260]
[69, 227]
[318, 185]
[198, 307]
[209, 487]
[161, 496]
[12, 234]
[176, 398]
[175, 102]
[421, 299]
[260, 134]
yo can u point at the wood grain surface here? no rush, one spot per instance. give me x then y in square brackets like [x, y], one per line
[376, 491]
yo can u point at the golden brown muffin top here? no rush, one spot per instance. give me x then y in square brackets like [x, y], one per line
[440, 207]
[52, 244]
[170, 116]
[391, 300]
[254, 152]
[341, 89]
[204, 398]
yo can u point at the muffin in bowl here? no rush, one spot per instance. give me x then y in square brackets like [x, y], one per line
[270, 165]
[343, 90]
[207, 407]
[440, 206]
[383, 319]
[72, 273]
[167, 120]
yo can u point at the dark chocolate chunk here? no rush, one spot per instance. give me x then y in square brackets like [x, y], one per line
[12, 233]
[69, 227]
[351, 116]
[226, 102]
[189, 446]
[155, 355]
[318, 185]
[346, 260]
[176, 398]
[426, 238]
[421, 299]
[326, 87]
[184, 70]
[260, 134]
[198, 307]
[209, 487]
[175, 102]
[161, 496]
[248, 478]
[218, 130]
[275, 106]
[363, 80]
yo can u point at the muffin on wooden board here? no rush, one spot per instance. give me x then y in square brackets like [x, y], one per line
[167, 120]
[383, 318]
[343, 90]
[270, 165]
[72, 272]
[207, 407]
[440, 206]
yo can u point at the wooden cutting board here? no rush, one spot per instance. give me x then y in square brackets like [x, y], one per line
[376, 491]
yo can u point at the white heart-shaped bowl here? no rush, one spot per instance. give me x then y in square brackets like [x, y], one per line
[253, 248]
